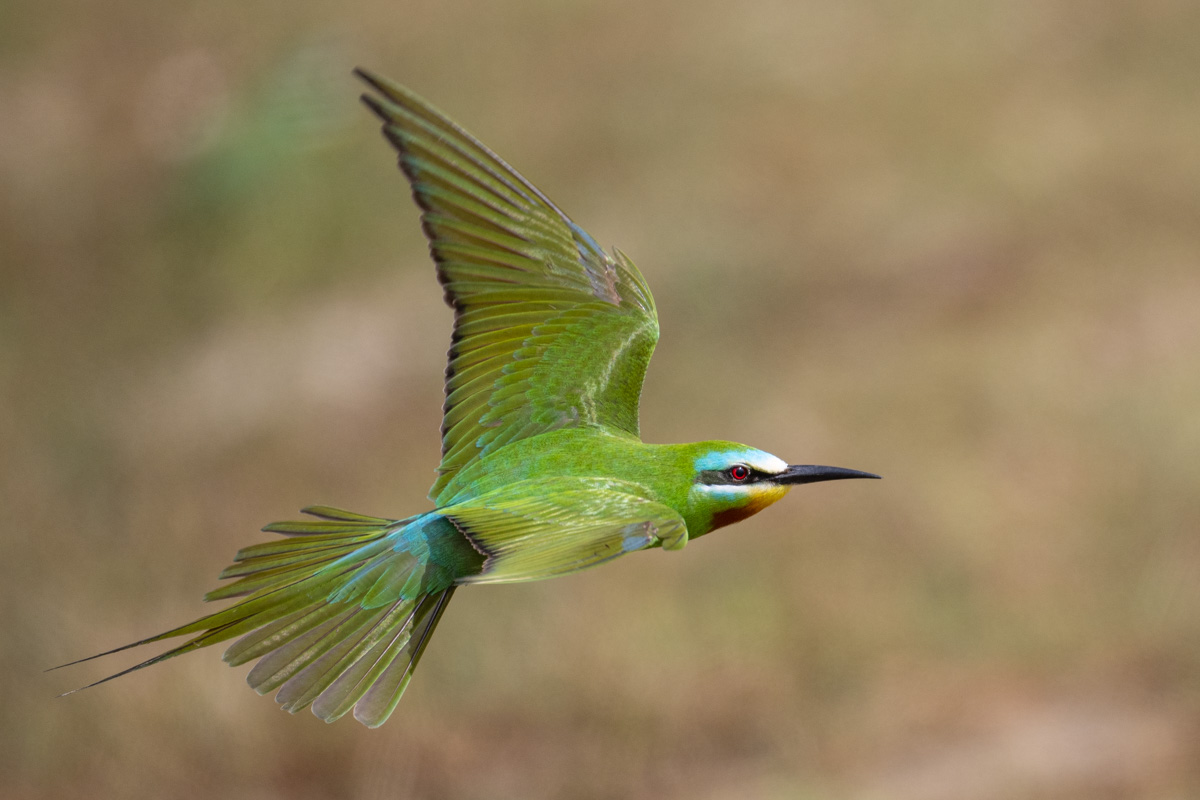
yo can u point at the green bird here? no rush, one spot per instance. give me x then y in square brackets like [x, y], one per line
[543, 472]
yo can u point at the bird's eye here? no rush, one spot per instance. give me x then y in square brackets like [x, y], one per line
[739, 472]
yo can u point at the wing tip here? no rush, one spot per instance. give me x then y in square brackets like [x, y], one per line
[380, 85]
[369, 78]
[375, 106]
[388, 92]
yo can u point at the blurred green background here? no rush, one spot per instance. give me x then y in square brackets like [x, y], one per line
[957, 244]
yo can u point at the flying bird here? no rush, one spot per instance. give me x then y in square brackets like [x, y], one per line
[543, 470]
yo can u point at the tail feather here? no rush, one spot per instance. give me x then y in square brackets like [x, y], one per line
[310, 682]
[258, 582]
[338, 614]
[379, 699]
[345, 691]
[340, 515]
[278, 667]
[186, 647]
[275, 635]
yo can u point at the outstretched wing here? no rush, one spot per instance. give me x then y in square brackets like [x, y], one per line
[549, 330]
[547, 527]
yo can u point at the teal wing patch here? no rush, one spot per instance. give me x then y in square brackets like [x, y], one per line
[560, 526]
[549, 330]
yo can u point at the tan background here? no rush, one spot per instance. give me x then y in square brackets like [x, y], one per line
[953, 243]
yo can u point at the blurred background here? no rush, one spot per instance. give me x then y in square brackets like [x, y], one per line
[953, 243]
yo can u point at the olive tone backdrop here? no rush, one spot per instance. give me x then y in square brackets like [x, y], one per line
[957, 244]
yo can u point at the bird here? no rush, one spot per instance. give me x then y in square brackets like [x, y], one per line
[543, 470]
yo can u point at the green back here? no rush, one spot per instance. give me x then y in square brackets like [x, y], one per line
[549, 330]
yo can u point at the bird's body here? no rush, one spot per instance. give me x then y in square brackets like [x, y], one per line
[662, 472]
[543, 470]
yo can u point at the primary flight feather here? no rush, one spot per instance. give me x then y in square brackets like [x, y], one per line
[543, 472]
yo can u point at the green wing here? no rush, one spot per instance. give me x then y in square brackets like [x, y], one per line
[543, 528]
[549, 330]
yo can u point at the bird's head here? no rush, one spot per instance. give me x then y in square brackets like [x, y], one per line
[732, 481]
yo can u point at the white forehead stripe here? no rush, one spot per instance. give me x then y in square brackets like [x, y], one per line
[755, 459]
[765, 462]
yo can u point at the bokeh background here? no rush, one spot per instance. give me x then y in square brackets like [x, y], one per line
[954, 243]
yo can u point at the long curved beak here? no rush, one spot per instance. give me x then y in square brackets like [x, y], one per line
[811, 473]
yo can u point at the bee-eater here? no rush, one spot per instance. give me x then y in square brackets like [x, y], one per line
[543, 472]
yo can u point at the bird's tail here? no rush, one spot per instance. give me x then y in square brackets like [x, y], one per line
[338, 613]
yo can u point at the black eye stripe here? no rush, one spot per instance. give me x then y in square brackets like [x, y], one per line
[722, 476]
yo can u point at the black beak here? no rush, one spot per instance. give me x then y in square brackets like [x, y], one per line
[811, 473]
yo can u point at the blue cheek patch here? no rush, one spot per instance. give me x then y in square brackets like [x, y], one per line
[726, 493]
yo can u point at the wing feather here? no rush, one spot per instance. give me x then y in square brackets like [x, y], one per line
[541, 528]
[550, 331]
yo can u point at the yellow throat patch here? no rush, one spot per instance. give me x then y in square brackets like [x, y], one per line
[759, 496]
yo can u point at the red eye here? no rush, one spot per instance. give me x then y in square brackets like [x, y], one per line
[739, 473]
